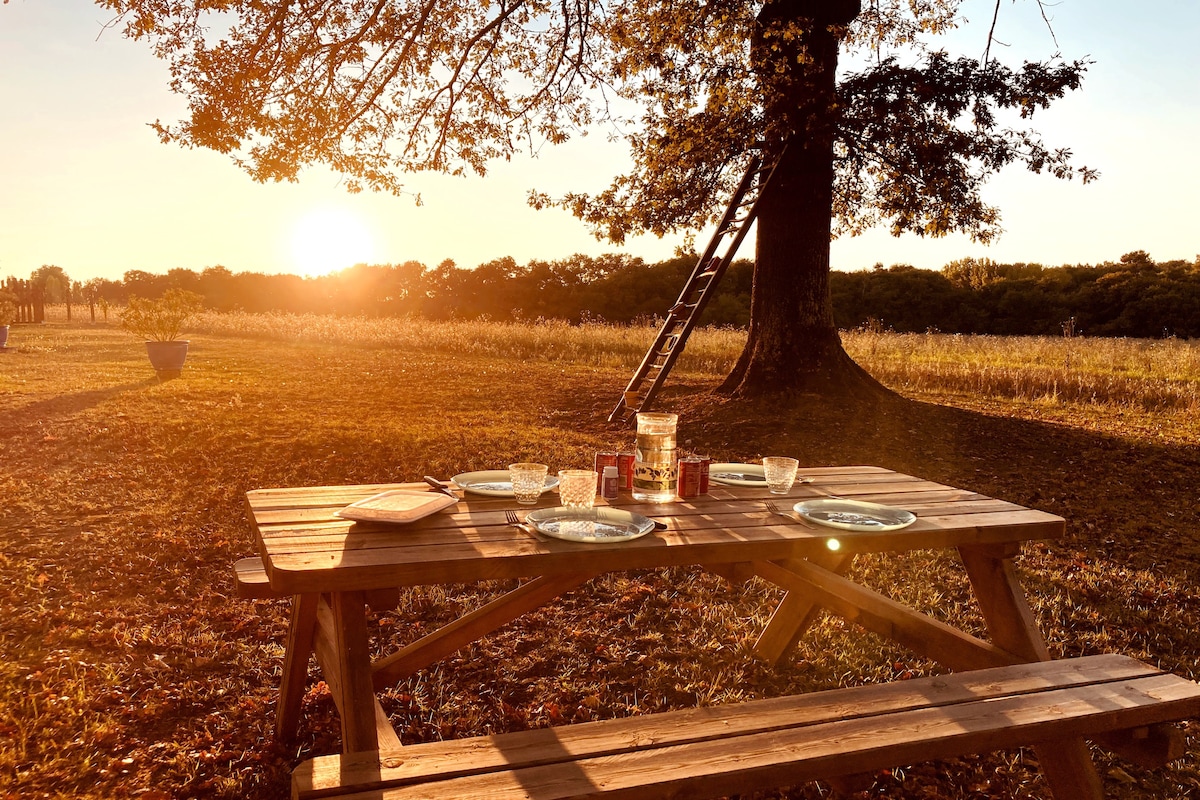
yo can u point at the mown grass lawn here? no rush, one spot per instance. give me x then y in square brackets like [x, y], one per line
[129, 670]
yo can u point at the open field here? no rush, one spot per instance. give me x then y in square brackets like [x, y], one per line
[128, 670]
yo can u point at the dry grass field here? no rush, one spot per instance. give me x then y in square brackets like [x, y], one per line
[128, 669]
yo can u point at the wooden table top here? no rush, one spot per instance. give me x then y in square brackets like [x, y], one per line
[307, 548]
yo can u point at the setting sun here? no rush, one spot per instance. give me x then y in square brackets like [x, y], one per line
[329, 239]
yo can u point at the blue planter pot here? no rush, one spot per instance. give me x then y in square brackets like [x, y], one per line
[167, 358]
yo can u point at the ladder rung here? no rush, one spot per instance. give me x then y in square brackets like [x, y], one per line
[735, 224]
[740, 212]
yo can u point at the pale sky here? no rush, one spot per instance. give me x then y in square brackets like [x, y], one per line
[85, 184]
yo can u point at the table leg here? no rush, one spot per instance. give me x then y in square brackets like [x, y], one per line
[1010, 621]
[343, 650]
[795, 614]
[1067, 764]
[295, 664]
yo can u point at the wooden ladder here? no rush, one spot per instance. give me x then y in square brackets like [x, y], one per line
[682, 317]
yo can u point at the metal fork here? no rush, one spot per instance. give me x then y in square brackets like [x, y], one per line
[774, 509]
[515, 522]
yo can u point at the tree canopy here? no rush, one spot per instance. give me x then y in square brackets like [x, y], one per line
[381, 89]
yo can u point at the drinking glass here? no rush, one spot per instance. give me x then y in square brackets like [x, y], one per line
[528, 480]
[780, 472]
[654, 475]
[577, 488]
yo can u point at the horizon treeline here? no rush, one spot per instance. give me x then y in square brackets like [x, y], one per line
[1134, 296]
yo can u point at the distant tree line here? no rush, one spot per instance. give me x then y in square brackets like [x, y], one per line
[1134, 296]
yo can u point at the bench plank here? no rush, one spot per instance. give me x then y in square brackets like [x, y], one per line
[716, 767]
[250, 580]
[708, 752]
[252, 583]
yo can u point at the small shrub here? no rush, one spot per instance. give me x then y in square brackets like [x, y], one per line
[8, 307]
[161, 320]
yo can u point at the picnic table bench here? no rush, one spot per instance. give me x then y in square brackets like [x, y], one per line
[719, 750]
[1003, 693]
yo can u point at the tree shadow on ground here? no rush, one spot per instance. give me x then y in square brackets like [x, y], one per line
[1105, 486]
[70, 404]
[1132, 507]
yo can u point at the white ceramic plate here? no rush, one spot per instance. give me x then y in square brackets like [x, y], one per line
[400, 505]
[600, 524]
[855, 515]
[493, 482]
[743, 475]
[737, 474]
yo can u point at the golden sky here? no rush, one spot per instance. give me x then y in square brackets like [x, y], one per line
[85, 184]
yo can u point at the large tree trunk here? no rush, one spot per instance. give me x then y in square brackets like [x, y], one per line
[793, 345]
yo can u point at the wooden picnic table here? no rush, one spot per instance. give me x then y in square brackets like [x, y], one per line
[331, 566]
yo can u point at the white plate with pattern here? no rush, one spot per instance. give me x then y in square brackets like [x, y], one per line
[601, 524]
[854, 515]
[493, 482]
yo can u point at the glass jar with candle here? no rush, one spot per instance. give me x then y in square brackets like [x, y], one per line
[654, 458]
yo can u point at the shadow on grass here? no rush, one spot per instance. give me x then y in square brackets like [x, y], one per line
[68, 404]
[1132, 505]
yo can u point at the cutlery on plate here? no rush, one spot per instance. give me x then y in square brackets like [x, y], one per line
[741, 476]
[515, 521]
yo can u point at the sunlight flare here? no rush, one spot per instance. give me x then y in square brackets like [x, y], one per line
[325, 240]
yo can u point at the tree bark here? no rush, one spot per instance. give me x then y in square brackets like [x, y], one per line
[793, 344]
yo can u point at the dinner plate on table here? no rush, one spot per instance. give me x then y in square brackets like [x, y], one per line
[854, 515]
[601, 524]
[743, 475]
[493, 482]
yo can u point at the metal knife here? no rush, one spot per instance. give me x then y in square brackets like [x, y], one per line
[441, 487]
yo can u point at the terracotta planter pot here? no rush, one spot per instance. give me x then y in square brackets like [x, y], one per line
[167, 357]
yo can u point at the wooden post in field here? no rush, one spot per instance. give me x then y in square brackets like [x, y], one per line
[39, 302]
[24, 299]
[68, 298]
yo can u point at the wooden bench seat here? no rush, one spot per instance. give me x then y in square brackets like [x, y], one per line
[251, 582]
[250, 579]
[720, 750]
